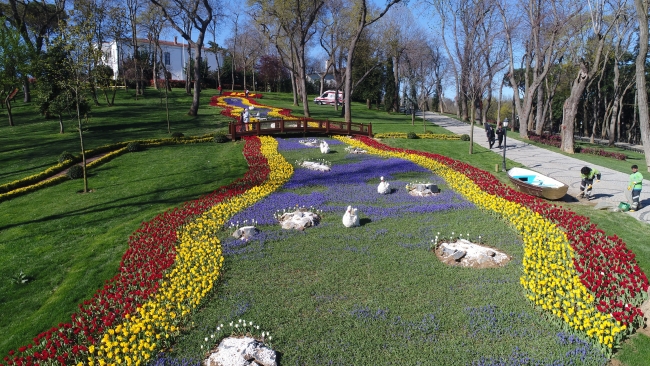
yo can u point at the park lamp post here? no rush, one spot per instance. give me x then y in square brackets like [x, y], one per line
[505, 130]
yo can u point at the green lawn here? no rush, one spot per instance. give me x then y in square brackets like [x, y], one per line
[68, 243]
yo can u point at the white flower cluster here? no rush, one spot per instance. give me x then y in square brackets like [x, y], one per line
[278, 214]
[240, 328]
[234, 226]
[452, 238]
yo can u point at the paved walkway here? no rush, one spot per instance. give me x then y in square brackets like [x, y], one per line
[611, 188]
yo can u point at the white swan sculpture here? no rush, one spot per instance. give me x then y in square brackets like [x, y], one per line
[383, 187]
[324, 147]
[350, 218]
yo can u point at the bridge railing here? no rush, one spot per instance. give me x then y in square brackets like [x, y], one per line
[302, 126]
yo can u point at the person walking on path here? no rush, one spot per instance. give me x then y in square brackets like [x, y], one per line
[500, 131]
[588, 174]
[490, 135]
[636, 180]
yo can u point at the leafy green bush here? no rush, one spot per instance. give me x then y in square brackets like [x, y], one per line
[464, 137]
[75, 172]
[133, 146]
[220, 137]
[177, 135]
[411, 135]
[65, 156]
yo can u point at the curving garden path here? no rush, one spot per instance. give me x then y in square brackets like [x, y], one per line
[566, 169]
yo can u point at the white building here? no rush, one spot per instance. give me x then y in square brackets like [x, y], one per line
[174, 55]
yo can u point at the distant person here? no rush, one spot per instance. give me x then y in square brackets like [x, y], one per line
[500, 132]
[245, 118]
[490, 135]
[588, 174]
[246, 93]
[636, 179]
[219, 89]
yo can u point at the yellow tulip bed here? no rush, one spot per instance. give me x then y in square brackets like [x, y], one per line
[558, 269]
[402, 135]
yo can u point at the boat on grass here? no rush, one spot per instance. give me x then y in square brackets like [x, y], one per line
[537, 184]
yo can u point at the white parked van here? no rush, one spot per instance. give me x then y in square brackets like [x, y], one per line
[328, 98]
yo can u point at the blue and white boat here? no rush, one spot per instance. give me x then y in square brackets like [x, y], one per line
[537, 184]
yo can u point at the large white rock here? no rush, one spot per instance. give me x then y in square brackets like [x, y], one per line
[244, 351]
[299, 220]
[245, 232]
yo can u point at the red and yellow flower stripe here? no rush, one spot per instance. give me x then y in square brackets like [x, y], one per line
[170, 265]
[196, 268]
[558, 267]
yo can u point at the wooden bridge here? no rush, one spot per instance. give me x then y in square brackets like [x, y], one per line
[304, 127]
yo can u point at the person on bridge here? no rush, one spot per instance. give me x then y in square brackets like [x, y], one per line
[245, 118]
[588, 174]
[636, 180]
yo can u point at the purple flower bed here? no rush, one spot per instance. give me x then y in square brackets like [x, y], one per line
[293, 144]
[347, 185]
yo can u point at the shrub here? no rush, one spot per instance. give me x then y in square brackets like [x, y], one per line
[177, 135]
[75, 172]
[220, 137]
[411, 135]
[65, 156]
[133, 146]
[464, 137]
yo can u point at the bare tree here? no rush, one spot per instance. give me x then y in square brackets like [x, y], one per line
[200, 13]
[296, 19]
[546, 22]
[623, 33]
[154, 23]
[362, 19]
[589, 63]
[132, 12]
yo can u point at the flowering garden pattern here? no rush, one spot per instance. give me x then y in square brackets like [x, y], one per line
[233, 105]
[171, 264]
[573, 272]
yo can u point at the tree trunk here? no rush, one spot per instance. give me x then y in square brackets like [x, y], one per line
[570, 109]
[81, 141]
[188, 89]
[8, 104]
[644, 118]
[61, 123]
[28, 96]
[471, 129]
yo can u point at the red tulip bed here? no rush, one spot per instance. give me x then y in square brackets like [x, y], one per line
[151, 253]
